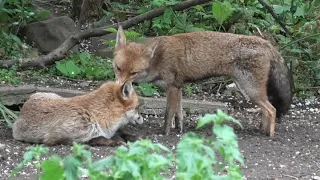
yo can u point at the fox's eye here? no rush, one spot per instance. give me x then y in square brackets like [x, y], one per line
[133, 73]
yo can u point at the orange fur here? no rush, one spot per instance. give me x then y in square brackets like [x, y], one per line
[51, 119]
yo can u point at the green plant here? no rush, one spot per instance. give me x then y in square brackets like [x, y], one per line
[68, 68]
[130, 35]
[15, 13]
[85, 65]
[8, 116]
[10, 76]
[147, 89]
[10, 45]
[189, 89]
[221, 11]
[33, 153]
[196, 158]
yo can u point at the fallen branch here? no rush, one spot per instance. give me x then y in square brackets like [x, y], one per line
[270, 10]
[62, 50]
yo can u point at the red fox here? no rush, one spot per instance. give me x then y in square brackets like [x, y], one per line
[255, 66]
[91, 118]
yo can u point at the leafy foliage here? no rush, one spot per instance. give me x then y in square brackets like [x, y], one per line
[13, 15]
[10, 46]
[8, 116]
[196, 158]
[85, 65]
[147, 89]
[18, 13]
[9, 76]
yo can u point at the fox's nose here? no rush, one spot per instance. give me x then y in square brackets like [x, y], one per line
[140, 120]
[120, 81]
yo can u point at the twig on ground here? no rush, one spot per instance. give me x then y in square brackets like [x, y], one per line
[290, 176]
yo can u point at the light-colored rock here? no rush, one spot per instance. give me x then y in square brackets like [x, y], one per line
[16, 95]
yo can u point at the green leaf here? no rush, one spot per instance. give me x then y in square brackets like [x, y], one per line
[52, 169]
[16, 39]
[147, 89]
[164, 148]
[84, 56]
[199, 8]
[112, 30]
[103, 164]
[72, 69]
[157, 161]
[61, 66]
[277, 9]
[208, 118]
[70, 165]
[221, 11]
[299, 12]
[225, 133]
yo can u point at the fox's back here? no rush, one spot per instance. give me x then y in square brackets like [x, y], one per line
[199, 54]
[46, 109]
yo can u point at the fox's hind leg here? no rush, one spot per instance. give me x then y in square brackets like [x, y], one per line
[171, 108]
[269, 114]
[253, 86]
[179, 115]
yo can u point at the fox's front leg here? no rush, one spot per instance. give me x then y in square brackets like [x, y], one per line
[102, 141]
[171, 108]
[126, 135]
[179, 115]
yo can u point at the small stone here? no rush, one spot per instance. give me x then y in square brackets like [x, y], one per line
[316, 177]
[84, 84]
[2, 146]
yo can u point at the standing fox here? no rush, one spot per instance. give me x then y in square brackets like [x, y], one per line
[254, 64]
[90, 118]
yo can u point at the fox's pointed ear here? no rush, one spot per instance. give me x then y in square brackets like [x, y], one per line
[150, 49]
[121, 38]
[127, 90]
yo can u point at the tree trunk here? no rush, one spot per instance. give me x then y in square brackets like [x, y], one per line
[87, 10]
[76, 9]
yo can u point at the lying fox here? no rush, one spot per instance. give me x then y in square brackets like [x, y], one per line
[91, 118]
[256, 67]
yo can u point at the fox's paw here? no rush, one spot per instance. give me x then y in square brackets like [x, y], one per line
[131, 138]
[267, 129]
[120, 143]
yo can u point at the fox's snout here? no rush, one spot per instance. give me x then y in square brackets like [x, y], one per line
[139, 120]
[134, 117]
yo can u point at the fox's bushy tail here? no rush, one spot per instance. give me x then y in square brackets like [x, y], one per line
[279, 87]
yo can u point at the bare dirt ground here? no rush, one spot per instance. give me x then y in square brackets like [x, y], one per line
[292, 154]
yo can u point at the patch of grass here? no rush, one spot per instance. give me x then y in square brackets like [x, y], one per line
[147, 89]
[10, 76]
